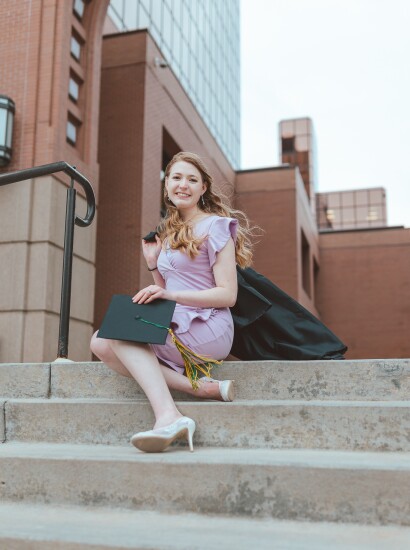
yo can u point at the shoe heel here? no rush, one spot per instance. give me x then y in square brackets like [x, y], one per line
[190, 433]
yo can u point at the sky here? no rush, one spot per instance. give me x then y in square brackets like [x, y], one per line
[346, 65]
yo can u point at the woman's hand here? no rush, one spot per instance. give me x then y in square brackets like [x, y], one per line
[151, 251]
[151, 293]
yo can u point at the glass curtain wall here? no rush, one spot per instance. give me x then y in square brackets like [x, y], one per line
[200, 41]
[355, 209]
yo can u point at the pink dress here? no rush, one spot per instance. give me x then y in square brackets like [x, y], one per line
[207, 331]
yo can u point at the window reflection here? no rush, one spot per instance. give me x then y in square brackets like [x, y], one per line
[75, 48]
[353, 209]
[200, 40]
[71, 132]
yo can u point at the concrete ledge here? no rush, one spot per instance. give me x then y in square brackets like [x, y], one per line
[2, 422]
[24, 380]
[369, 488]
[67, 527]
[377, 379]
[349, 425]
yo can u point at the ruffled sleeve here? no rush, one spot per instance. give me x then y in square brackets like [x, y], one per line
[220, 231]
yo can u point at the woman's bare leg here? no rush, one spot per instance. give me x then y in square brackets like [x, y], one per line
[175, 381]
[140, 361]
[102, 349]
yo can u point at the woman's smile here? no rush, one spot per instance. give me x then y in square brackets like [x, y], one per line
[184, 185]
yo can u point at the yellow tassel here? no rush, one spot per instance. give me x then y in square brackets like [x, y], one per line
[194, 362]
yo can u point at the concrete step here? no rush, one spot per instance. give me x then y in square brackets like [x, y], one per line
[306, 485]
[377, 379]
[349, 425]
[41, 527]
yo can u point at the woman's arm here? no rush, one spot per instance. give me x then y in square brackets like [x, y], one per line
[158, 279]
[151, 251]
[223, 295]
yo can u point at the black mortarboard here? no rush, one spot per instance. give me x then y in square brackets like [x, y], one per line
[145, 323]
[150, 238]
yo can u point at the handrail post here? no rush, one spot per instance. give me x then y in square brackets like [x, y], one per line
[71, 219]
[67, 271]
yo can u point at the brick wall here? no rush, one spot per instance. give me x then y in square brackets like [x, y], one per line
[364, 290]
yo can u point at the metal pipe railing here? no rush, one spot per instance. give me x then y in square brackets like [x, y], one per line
[71, 220]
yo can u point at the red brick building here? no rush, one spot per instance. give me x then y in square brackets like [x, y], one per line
[106, 107]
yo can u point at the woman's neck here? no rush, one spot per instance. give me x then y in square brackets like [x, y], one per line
[188, 215]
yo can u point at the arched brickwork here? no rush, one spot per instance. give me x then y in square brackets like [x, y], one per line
[35, 41]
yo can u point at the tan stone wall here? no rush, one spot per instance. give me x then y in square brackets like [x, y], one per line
[364, 290]
[36, 62]
[31, 255]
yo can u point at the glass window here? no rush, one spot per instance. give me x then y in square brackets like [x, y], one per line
[75, 48]
[375, 214]
[301, 126]
[200, 17]
[73, 89]
[333, 200]
[156, 14]
[301, 143]
[71, 132]
[184, 57]
[143, 18]
[361, 197]
[130, 14]
[348, 215]
[9, 134]
[377, 196]
[177, 10]
[186, 25]
[78, 8]
[347, 198]
[115, 18]
[156, 35]
[118, 7]
[286, 128]
[362, 213]
[147, 4]
[167, 27]
[176, 44]
[200, 39]
[3, 122]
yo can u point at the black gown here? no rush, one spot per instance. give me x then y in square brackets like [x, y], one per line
[269, 324]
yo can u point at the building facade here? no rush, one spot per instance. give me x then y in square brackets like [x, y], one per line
[107, 106]
[200, 42]
[353, 209]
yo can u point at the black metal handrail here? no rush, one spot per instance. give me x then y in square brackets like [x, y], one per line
[71, 220]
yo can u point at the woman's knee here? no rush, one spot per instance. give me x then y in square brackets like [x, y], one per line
[99, 346]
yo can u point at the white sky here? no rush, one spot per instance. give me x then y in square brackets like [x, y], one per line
[346, 65]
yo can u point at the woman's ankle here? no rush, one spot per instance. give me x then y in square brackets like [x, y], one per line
[167, 419]
[208, 390]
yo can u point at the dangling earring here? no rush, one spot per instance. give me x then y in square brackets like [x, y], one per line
[202, 199]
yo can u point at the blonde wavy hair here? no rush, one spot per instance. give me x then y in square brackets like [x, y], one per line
[179, 235]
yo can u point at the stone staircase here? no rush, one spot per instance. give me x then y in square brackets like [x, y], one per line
[311, 455]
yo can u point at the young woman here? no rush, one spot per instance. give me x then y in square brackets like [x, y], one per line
[193, 262]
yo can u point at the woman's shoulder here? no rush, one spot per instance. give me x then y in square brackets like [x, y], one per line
[213, 219]
[216, 227]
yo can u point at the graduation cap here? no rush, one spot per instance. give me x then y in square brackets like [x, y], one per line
[144, 323]
[151, 324]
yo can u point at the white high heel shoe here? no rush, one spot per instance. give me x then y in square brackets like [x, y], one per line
[226, 388]
[156, 441]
